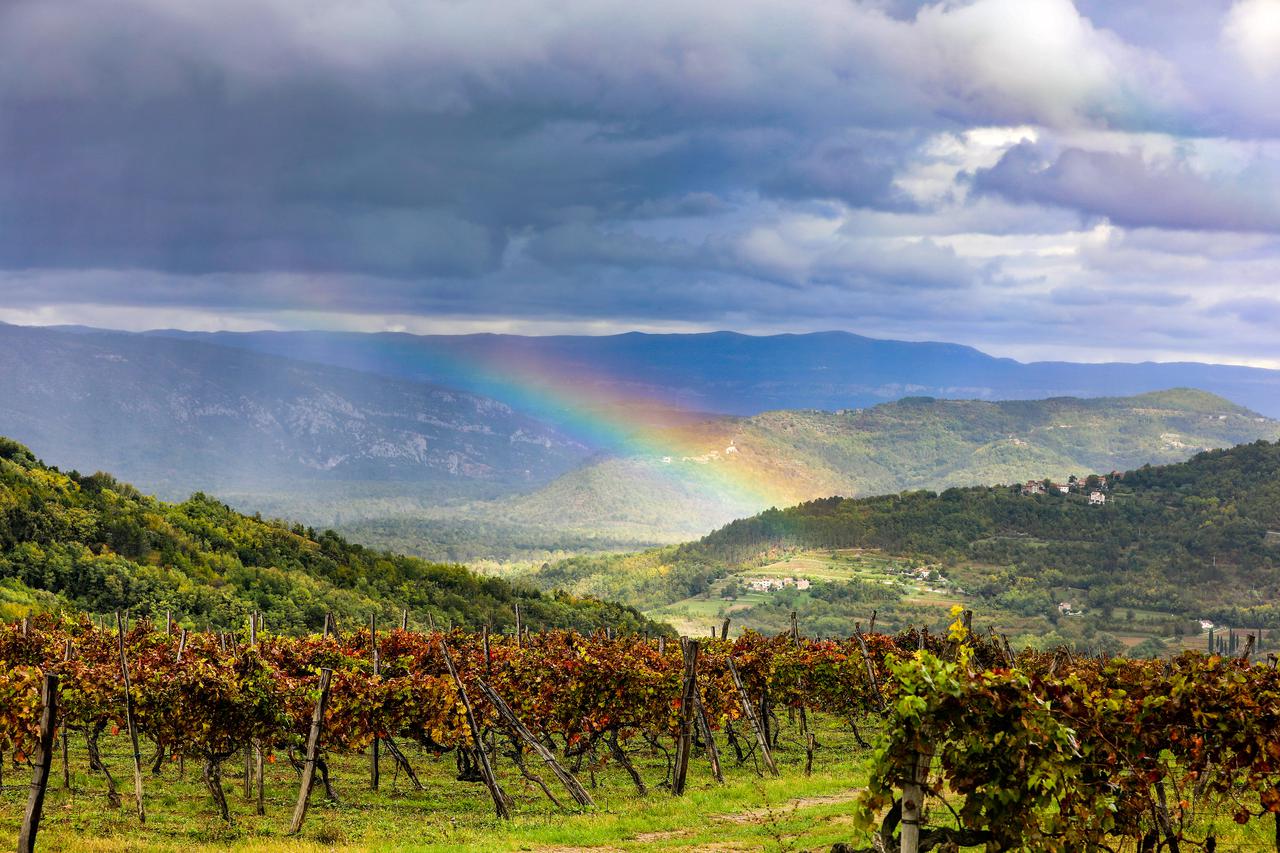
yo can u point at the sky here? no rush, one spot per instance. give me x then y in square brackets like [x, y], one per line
[1040, 179]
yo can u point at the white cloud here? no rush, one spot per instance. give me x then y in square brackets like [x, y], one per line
[1252, 30]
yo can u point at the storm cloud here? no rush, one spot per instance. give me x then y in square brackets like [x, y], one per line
[975, 171]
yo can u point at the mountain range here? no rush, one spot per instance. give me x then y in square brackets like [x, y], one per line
[512, 447]
[730, 467]
[177, 416]
[731, 373]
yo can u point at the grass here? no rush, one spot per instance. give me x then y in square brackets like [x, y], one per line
[748, 812]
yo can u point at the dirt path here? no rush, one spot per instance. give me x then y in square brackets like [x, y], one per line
[762, 814]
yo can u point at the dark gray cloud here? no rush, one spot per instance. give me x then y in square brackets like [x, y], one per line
[758, 165]
[1130, 191]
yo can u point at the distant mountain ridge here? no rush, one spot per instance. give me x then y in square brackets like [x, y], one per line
[179, 416]
[731, 373]
[913, 443]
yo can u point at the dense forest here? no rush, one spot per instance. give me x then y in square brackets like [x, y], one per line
[1190, 538]
[91, 543]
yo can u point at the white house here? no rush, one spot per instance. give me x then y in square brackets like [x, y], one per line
[1097, 499]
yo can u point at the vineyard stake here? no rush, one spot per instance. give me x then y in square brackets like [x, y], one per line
[373, 651]
[517, 605]
[500, 799]
[871, 673]
[913, 803]
[44, 757]
[570, 782]
[313, 747]
[713, 752]
[808, 753]
[724, 629]
[488, 655]
[688, 700]
[168, 623]
[804, 719]
[404, 620]
[260, 806]
[66, 748]
[750, 713]
[133, 729]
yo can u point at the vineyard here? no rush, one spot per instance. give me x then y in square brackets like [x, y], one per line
[970, 745]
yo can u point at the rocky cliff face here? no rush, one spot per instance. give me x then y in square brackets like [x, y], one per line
[177, 416]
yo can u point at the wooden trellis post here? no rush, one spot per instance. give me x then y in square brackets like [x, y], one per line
[66, 747]
[749, 712]
[913, 793]
[133, 728]
[373, 747]
[804, 719]
[688, 704]
[500, 798]
[44, 757]
[713, 752]
[313, 748]
[571, 784]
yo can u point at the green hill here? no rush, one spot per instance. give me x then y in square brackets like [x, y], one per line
[1191, 540]
[94, 544]
[800, 455]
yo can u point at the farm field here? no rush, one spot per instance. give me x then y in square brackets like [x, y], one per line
[919, 600]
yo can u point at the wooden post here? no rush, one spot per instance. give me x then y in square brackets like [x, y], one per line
[404, 620]
[133, 729]
[518, 639]
[66, 748]
[713, 752]
[260, 805]
[182, 644]
[44, 757]
[373, 747]
[913, 803]
[804, 718]
[750, 713]
[808, 753]
[662, 645]
[249, 750]
[571, 784]
[688, 703]
[499, 796]
[488, 655]
[26, 625]
[871, 673]
[724, 629]
[168, 623]
[313, 747]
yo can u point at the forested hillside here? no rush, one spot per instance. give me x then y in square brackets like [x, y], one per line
[91, 543]
[798, 455]
[1192, 538]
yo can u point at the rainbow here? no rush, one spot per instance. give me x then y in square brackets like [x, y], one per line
[637, 425]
